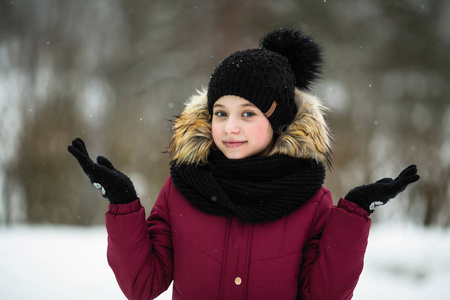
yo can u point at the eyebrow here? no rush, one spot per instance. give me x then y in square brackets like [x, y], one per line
[242, 105]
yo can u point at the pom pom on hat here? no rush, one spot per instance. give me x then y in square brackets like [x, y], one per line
[303, 53]
[267, 76]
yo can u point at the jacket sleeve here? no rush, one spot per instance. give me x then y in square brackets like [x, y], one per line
[333, 258]
[140, 251]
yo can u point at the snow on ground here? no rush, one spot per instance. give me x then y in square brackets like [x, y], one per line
[406, 262]
[45, 262]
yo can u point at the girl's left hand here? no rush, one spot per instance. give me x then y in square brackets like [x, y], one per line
[380, 192]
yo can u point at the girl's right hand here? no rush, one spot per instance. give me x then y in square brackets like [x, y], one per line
[115, 185]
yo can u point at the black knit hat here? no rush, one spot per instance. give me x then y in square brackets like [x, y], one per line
[267, 76]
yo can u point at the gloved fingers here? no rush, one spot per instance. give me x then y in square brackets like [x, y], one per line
[80, 145]
[400, 184]
[404, 181]
[385, 180]
[408, 171]
[82, 158]
[78, 149]
[407, 176]
[101, 160]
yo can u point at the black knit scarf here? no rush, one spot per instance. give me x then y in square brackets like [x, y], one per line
[255, 189]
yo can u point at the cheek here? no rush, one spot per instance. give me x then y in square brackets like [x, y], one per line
[215, 131]
[264, 132]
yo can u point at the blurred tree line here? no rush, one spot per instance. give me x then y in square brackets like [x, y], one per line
[116, 72]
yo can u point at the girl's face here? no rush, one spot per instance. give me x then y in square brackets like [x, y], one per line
[240, 129]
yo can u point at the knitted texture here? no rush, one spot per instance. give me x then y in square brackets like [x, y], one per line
[284, 60]
[255, 189]
[259, 76]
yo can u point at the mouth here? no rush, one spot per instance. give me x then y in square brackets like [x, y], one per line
[233, 144]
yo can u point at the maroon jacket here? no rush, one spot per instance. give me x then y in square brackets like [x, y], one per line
[316, 252]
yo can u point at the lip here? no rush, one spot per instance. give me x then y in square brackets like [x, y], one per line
[233, 144]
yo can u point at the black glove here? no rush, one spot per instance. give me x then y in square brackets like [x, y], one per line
[380, 192]
[115, 186]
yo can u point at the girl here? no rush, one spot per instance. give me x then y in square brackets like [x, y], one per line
[243, 214]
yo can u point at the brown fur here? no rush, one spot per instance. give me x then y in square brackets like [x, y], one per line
[307, 136]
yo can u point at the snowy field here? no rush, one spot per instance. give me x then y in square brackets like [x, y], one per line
[402, 262]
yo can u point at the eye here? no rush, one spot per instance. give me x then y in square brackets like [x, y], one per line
[220, 114]
[248, 114]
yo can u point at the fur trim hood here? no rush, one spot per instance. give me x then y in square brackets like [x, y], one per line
[308, 136]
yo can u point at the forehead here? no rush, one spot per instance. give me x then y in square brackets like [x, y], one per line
[232, 101]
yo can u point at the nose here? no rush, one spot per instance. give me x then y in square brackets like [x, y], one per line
[232, 126]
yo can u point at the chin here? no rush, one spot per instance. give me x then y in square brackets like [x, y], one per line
[241, 155]
[235, 156]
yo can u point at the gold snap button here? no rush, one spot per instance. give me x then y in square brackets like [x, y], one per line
[238, 280]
